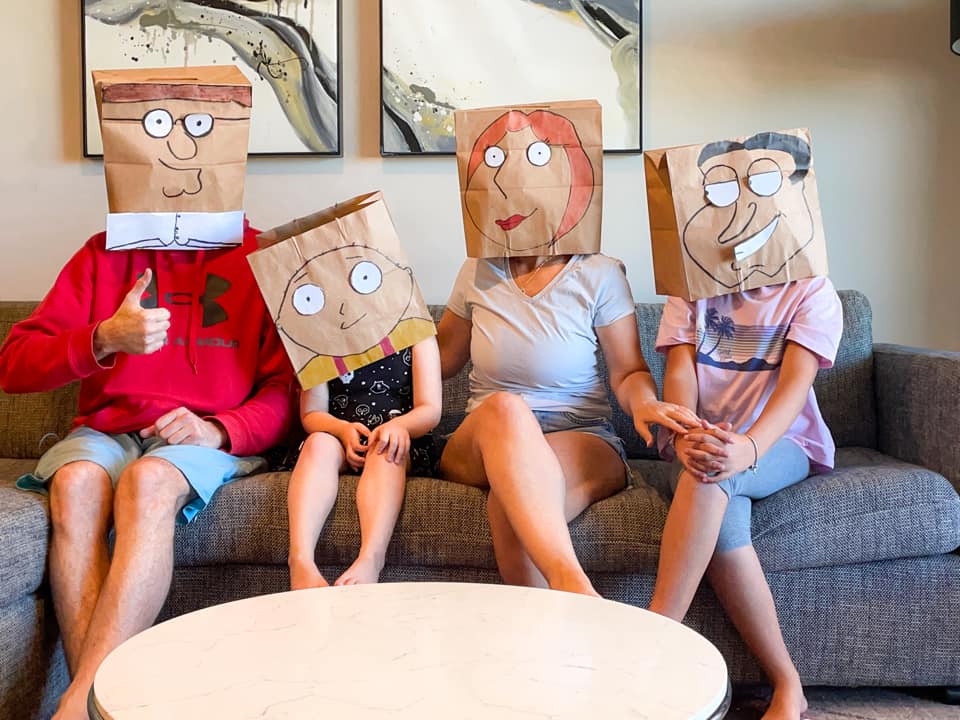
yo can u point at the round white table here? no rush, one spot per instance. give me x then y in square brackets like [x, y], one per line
[414, 650]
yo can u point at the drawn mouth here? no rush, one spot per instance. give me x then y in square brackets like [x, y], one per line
[346, 326]
[753, 244]
[511, 222]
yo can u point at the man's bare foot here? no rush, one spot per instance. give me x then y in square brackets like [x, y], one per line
[365, 570]
[787, 703]
[306, 575]
[72, 706]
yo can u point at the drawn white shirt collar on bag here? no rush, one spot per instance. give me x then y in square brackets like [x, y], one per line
[174, 231]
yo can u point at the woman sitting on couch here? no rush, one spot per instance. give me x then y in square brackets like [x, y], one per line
[538, 430]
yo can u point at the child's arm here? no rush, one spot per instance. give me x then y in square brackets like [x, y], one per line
[393, 437]
[697, 451]
[315, 416]
[797, 373]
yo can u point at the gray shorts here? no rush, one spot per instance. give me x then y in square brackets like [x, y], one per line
[205, 469]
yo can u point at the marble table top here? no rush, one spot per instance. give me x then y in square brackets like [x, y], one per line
[414, 650]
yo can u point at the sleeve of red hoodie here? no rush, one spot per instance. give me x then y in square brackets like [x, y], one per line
[264, 419]
[54, 346]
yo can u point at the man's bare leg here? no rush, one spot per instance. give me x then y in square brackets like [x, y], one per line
[148, 497]
[81, 504]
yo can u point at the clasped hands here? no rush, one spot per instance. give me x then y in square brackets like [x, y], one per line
[710, 452]
[391, 438]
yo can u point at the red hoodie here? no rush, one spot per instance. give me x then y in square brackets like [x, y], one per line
[222, 359]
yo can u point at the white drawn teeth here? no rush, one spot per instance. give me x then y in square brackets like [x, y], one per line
[752, 244]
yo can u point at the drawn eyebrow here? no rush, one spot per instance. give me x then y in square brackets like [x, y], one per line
[354, 257]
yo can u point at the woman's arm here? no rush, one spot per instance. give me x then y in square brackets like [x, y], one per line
[798, 370]
[632, 383]
[453, 336]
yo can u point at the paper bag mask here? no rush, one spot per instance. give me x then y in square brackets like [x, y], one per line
[531, 178]
[174, 156]
[340, 290]
[734, 215]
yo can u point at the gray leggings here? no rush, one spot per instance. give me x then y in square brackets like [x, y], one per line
[783, 465]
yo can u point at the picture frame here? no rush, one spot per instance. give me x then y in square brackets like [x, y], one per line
[284, 49]
[584, 48]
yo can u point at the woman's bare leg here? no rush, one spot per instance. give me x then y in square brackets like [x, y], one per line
[501, 445]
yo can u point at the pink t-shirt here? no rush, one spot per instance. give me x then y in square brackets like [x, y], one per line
[740, 340]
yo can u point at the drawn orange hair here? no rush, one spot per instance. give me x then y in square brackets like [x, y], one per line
[554, 130]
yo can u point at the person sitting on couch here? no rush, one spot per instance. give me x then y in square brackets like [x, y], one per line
[183, 379]
[531, 307]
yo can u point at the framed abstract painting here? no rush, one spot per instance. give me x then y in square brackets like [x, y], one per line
[289, 49]
[439, 56]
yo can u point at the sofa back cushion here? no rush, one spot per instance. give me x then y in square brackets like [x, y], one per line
[845, 392]
[32, 423]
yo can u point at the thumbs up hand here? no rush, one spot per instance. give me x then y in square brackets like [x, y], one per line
[132, 329]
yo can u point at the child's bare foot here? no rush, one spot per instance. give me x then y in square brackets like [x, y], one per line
[365, 570]
[574, 582]
[787, 703]
[306, 575]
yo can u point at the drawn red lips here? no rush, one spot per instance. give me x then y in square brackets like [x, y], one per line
[511, 222]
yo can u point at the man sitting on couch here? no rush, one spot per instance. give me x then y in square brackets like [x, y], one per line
[182, 376]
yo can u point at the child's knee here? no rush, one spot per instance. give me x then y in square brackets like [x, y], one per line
[320, 446]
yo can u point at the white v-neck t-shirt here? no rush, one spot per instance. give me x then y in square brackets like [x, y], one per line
[543, 348]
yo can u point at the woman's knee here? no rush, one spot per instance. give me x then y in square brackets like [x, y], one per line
[80, 496]
[506, 409]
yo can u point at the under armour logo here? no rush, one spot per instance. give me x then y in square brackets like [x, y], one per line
[213, 312]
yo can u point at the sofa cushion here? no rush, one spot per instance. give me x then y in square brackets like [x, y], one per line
[871, 507]
[33, 422]
[24, 529]
[441, 524]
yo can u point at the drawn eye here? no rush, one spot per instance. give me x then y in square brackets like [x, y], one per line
[494, 156]
[308, 299]
[158, 123]
[766, 183]
[722, 194]
[198, 124]
[539, 153]
[365, 277]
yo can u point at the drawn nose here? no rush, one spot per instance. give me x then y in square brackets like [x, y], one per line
[342, 307]
[735, 229]
[180, 144]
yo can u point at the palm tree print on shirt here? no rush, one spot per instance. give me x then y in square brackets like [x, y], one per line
[722, 326]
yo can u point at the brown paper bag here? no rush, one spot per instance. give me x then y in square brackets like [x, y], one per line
[531, 178]
[340, 289]
[735, 214]
[174, 141]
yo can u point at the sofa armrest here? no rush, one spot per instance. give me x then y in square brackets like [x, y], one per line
[918, 407]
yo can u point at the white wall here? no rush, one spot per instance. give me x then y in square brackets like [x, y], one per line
[873, 79]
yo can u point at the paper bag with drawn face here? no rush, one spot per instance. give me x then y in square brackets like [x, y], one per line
[734, 215]
[531, 178]
[174, 156]
[340, 289]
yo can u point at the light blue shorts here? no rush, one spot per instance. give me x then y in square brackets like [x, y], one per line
[205, 469]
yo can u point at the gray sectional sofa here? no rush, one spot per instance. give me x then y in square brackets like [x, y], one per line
[862, 562]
